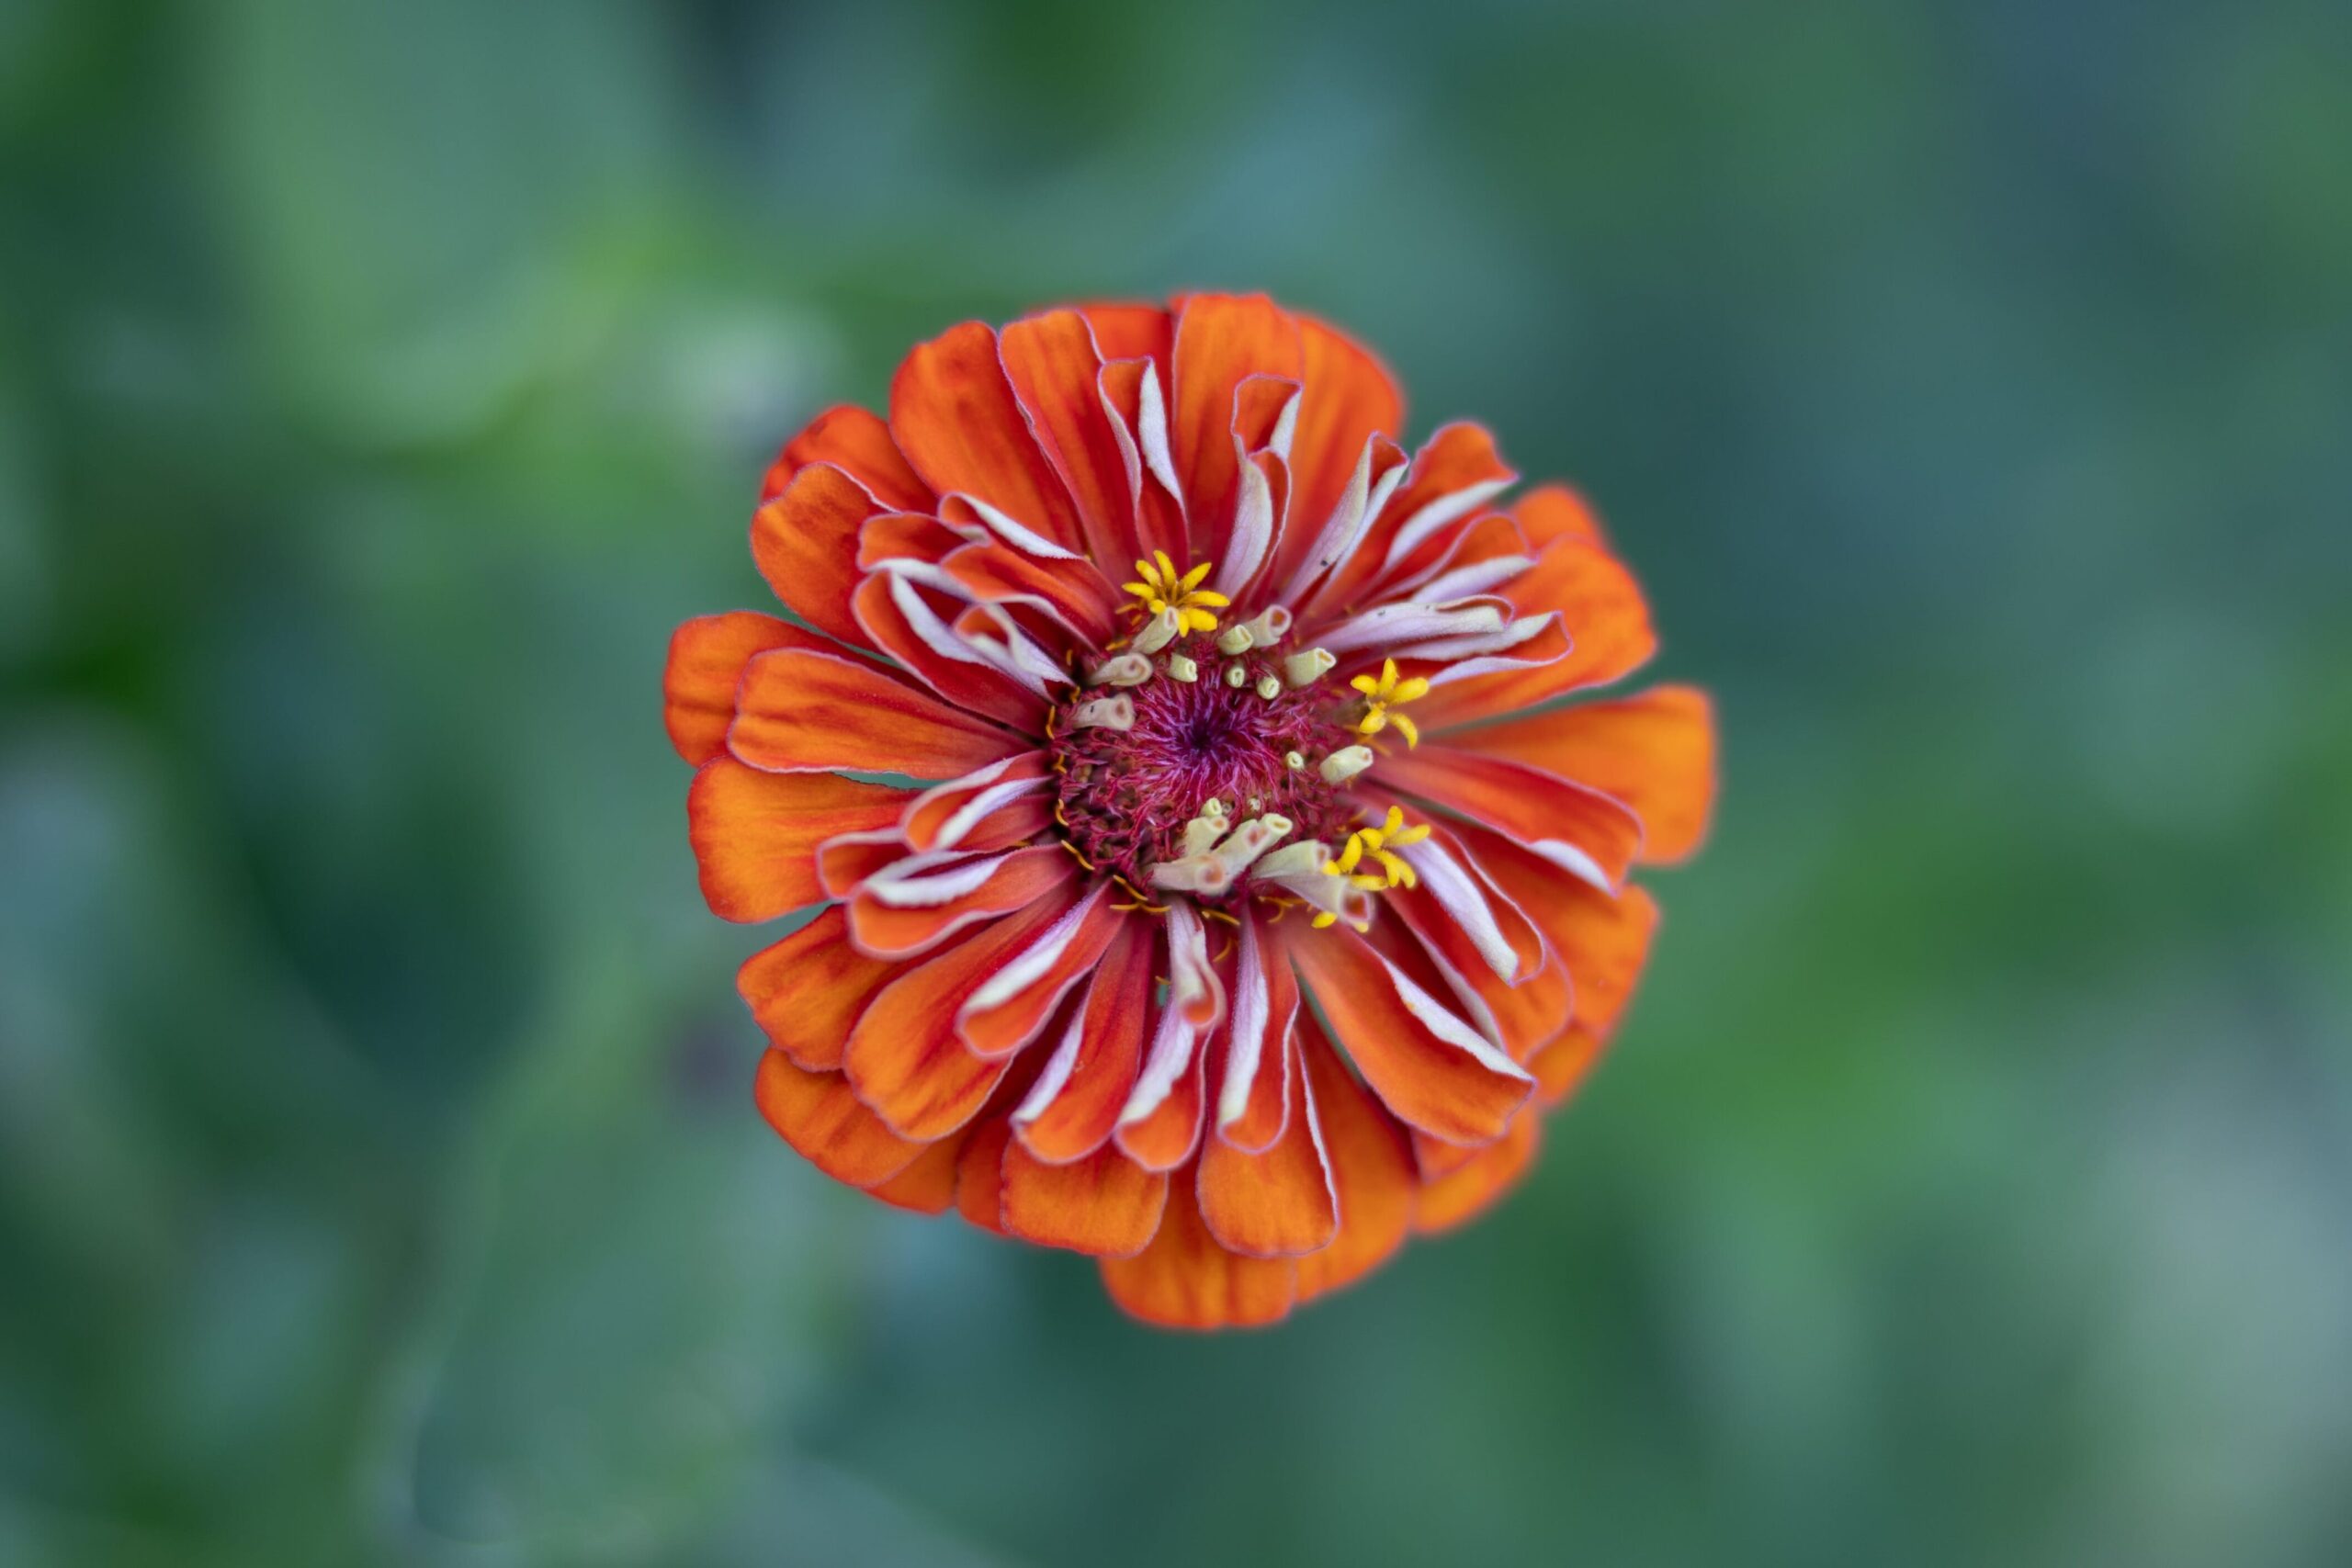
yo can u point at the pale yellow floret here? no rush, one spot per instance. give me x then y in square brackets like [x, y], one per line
[1384, 692]
[1162, 588]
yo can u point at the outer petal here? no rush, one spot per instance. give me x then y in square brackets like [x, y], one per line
[1055, 370]
[1452, 478]
[756, 834]
[707, 658]
[1350, 397]
[805, 543]
[894, 917]
[1372, 1171]
[1426, 1065]
[1476, 1182]
[905, 1057]
[803, 712]
[1184, 1279]
[817, 1114]
[1604, 940]
[859, 444]
[954, 414]
[1221, 341]
[1277, 1203]
[1655, 752]
[1075, 1103]
[1607, 625]
[1561, 1067]
[807, 991]
[928, 1185]
[1132, 331]
[1104, 1204]
[1578, 829]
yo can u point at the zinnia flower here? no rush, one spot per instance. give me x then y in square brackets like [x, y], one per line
[1256, 895]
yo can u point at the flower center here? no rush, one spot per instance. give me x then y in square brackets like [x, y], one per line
[1178, 766]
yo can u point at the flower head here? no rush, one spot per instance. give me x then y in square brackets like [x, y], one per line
[1188, 947]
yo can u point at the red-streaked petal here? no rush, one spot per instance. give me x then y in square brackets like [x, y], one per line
[858, 443]
[905, 1055]
[1104, 1204]
[1221, 341]
[980, 1174]
[1608, 624]
[1072, 594]
[1428, 1065]
[802, 712]
[1051, 361]
[1257, 1093]
[1007, 1013]
[807, 991]
[1452, 478]
[897, 916]
[1604, 940]
[1471, 1185]
[1350, 398]
[989, 808]
[1522, 1015]
[756, 834]
[1277, 1203]
[1131, 331]
[1184, 1279]
[1075, 1103]
[805, 543]
[905, 622]
[928, 1185]
[818, 1114]
[707, 658]
[1160, 1124]
[1134, 394]
[1371, 1165]
[1655, 752]
[1580, 830]
[954, 414]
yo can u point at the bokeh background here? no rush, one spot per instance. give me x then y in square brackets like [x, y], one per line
[1971, 384]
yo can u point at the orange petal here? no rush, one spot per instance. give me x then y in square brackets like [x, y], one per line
[1007, 1013]
[1426, 1065]
[1561, 1067]
[980, 1174]
[1578, 829]
[1372, 1171]
[707, 658]
[818, 1114]
[1604, 940]
[1184, 1279]
[1608, 624]
[1076, 1102]
[1257, 1089]
[897, 915]
[905, 1055]
[800, 712]
[1278, 1203]
[756, 834]
[1131, 331]
[1473, 1183]
[1452, 478]
[1655, 752]
[1051, 361]
[990, 808]
[858, 444]
[1131, 392]
[807, 991]
[1522, 1015]
[1221, 341]
[1104, 1204]
[805, 543]
[1553, 511]
[928, 1185]
[1160, 1133]
[1072, 593]
[888, 604]
[1350, 397]
[954, 414]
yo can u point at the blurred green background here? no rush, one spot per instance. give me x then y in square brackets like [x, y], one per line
[1971, 384]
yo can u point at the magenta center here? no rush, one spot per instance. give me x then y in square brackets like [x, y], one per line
[1127, 795]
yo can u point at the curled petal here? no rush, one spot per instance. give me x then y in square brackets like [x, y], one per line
[1278, 1201]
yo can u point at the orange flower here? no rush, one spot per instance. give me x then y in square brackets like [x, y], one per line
[1229, 707]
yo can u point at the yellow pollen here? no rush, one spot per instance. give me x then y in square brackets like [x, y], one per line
[1162, 587]
[1379, 846]
[1384, 692]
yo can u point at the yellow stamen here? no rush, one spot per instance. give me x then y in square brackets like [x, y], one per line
[1160, 588]
[1386, 691]
[1381, 843]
